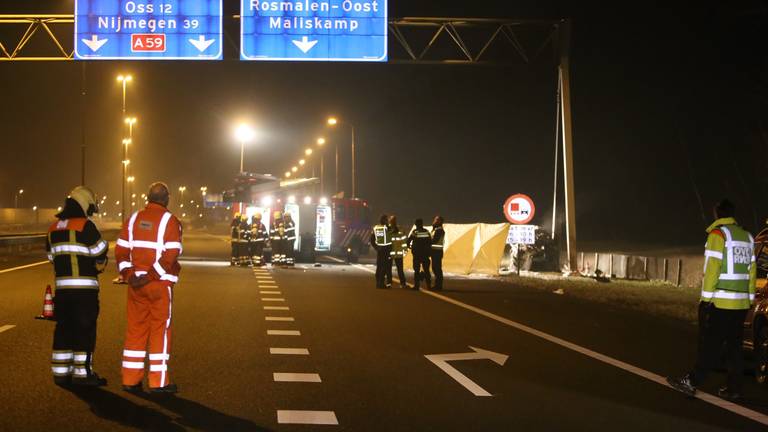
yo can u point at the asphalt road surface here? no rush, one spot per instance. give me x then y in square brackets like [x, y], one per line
[319, 348]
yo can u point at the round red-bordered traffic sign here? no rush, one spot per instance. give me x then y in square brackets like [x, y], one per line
[519, 209]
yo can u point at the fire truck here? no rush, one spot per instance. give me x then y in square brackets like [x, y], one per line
[335, 226]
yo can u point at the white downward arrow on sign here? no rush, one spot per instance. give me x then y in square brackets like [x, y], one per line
[202, 44]
[94, 43]
[441, 361]
[305, 44]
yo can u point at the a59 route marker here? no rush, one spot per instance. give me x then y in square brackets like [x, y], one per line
[441, 361]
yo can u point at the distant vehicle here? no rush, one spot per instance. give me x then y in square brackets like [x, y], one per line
[756, 323]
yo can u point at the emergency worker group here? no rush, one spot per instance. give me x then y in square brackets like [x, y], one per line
[392, 245]
[150, 244]
[250, 238]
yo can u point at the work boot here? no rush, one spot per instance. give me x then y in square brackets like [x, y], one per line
[62, 381]
[725, 393]
[92, 380]
[683, 385]
[136, 388]
[169, 389]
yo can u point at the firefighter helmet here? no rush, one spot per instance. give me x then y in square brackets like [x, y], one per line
[278, 215]
[86, 199]
[257, 216]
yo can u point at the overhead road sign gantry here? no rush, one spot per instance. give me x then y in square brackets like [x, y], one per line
[314, 30]
[148, 30]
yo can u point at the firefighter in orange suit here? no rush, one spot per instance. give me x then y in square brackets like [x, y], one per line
[147, 253]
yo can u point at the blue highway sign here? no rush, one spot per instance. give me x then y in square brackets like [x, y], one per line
[313, 30]
[148, 29]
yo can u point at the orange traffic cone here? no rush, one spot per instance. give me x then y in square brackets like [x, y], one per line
[47, 305]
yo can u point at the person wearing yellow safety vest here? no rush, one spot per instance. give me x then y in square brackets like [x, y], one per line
[382, 244]
[727, 293]
[399, 249]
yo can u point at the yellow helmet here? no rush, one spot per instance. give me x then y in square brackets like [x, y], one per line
[86, 198]
[278, 215]
[257, 216]
[237, 215]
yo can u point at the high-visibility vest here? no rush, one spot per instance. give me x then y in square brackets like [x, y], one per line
[438, 238]
[381, 232]
[399, 243]
[77, 252]
[737, 258]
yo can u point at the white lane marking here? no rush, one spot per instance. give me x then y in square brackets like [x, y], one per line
[307, 417]
[335, 259]
[283, 333]
[289, 351]
[6, 327]
[273, 299]
[274, 318]
[270, 292]
[263, 277]
[276, 308]
[706, 397]
[23, 267]
[197, 263]
[296, 377]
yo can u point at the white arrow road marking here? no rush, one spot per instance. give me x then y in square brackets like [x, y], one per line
[6, 327]
[305, 44]
[95, 43]
[201, 44]
[441, 361]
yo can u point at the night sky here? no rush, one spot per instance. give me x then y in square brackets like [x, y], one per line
[669, 102]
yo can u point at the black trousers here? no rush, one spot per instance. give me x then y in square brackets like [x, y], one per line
[235, 250]
[76, 314]
[290, 253]
[720, 328]
[398, 260]
[437, 268]
[383, 262]
[421, 270]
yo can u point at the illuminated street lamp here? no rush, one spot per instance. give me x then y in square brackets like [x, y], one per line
[332, 122]
[244, 134]
[17, 197]
[287, 174]
[294, 169]
[308, 152]
[302, 162]
[181, 197]
[130, 181]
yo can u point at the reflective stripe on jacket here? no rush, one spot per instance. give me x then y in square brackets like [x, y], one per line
[729, 266]
[77, 252]
[150, 244]
[438, 238]
[399, 242]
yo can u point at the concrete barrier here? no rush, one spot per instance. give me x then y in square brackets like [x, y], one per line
[679, 270]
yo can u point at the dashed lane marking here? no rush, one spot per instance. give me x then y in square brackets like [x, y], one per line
[6, 327]
[658, 379]
[296, 377]
[270, 292]
[289, 351]
[23, 267]
[273, 299]
[307, 417]
[283, 333]
[274, 318]
[282, 308]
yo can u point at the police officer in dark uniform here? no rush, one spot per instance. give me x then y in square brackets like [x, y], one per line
[245, 241]
[398, 251]
[290, 239]
[382, 244]
[234, 227]
[258, 240]
[79, 255]
[438, 239]
[420, 243]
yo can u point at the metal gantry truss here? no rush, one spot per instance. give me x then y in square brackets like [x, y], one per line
[471, 49]
[31, 25]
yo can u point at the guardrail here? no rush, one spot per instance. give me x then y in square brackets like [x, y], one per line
[21, 243]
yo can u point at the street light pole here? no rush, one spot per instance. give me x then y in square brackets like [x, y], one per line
[124, 80]
[242, 153]
[354, 188]
[16, 197]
